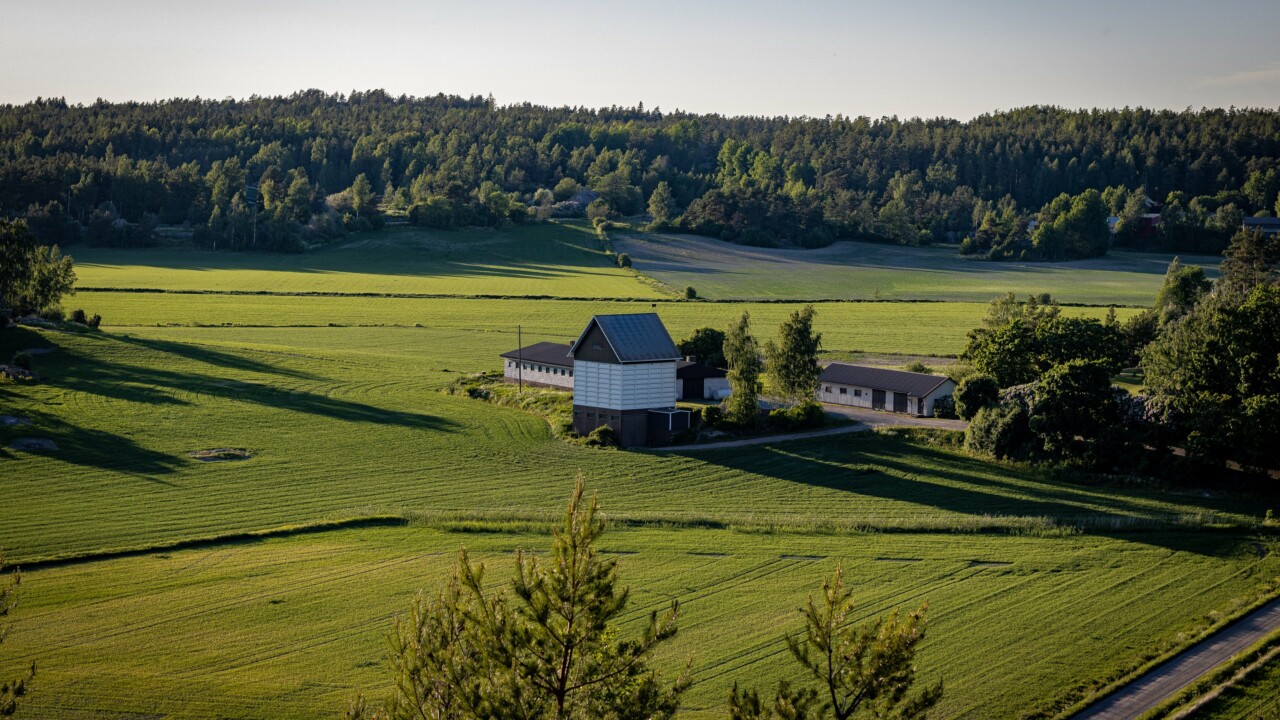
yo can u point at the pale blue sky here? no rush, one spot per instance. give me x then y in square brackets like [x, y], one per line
[952, 58]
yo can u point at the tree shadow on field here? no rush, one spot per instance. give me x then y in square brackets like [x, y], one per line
[209, 356]
[916, 475]
[89, 447]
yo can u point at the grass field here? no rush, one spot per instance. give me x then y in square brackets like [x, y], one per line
[866, 271]
[285, 628]
[1257, 697]
[1038, 588]
[554, 260]
[910, 328]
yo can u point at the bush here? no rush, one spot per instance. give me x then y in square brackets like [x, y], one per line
[22, 359]
[78, 316]
[53, 314]
[624, 260]
[712, 415]
[945, 407]
[919, 367]
[1000, 431]
[95, 320]
[600, 208]
[803, 416]
[690, 293]
[603, 436]
[974, 393]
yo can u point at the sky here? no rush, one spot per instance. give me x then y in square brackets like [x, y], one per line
[953, 58]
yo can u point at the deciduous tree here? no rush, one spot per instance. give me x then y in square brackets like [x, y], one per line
[742, 355]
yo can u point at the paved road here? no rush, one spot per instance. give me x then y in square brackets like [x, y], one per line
[1163, 681]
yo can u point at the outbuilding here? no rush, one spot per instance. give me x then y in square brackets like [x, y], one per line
[696, 381]
[544, 364]
[624, 376]
[883, 389]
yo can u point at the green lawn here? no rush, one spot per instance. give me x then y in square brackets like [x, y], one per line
[287, 628]
[553, 260]
[864, 271]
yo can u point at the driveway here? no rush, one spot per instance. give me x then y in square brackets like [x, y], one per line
[865, 420]
[1163, 681]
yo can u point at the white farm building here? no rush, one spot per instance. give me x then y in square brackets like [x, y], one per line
[883, 389]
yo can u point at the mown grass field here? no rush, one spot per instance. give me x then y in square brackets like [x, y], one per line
[1257, 697]
[285, 628]
[348, 422]
[905, 328]
[337, 400]
[554, 260]
[866, 271]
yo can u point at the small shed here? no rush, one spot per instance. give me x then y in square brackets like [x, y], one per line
[883, 389]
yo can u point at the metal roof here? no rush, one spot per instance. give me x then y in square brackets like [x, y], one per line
[900, 381]
[548, 353]
[686, 369]
[639, 337]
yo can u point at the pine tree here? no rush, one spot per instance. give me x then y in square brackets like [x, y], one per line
[864, 670]
[549, 649]
[742, 355]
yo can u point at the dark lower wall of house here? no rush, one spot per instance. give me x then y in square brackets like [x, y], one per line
[631, 426]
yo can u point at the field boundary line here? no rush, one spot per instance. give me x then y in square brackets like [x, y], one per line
[570, 298]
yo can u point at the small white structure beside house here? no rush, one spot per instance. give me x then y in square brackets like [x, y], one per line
[883, 389]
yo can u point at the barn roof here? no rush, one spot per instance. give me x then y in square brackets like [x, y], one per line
[548, 353]
[900, 381]
[639, 337]
[689, 369]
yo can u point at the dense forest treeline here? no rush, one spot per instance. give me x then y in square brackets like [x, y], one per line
[1032, 182]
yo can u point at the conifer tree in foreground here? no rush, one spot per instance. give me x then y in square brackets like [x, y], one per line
[855, 671]
[550, 648]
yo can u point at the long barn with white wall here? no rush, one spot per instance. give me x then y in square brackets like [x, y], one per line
[883, 389]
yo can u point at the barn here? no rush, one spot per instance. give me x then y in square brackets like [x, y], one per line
[883, 389]
[544, 364]
[624, 376]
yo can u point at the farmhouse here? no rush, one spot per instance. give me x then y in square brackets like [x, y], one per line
[624, 376]
[544, 364]
[882, 389]
[1264, 225]
[700, 382]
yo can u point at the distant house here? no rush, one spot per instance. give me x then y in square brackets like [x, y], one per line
[1264, 225]
[883, 389]
[695, 381]
[624, 376]
[544, 364]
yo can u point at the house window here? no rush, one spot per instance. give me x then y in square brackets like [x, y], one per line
[826, 388]
[570, 373]
[844, 391]
[857, 393]
[510, 363]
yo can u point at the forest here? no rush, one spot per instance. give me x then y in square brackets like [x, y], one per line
[283, 173]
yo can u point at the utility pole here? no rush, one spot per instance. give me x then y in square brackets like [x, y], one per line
[520, 357]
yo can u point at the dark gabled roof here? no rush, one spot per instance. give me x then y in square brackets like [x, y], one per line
[686, 369]
[900, 381]
[547, 353]
[1262, 221]
[639, 337]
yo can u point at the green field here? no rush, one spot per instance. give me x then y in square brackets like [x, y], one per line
[285, 628]
[1257, 697]
[1038, 588]
[866, 271]
[553, 260]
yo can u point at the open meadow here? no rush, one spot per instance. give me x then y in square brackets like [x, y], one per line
[871, 271]
[147, 593]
